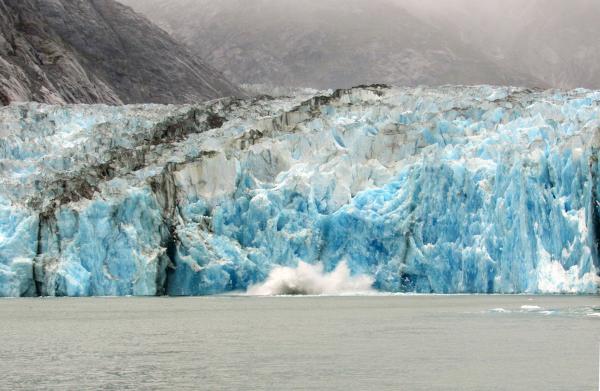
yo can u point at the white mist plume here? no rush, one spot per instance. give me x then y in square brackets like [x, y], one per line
[309, 279]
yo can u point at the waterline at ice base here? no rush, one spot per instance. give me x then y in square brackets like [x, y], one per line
[426, 190]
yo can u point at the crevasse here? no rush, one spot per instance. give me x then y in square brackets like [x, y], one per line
[433, 190]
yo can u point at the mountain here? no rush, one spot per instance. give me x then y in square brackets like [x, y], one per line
[563, 46]
[553, 40]
[328, 44]
[431, 190]
[96, 51]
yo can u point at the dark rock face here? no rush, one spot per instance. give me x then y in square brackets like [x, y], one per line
[96, 51]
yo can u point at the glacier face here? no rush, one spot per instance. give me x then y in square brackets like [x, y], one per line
[444, 190]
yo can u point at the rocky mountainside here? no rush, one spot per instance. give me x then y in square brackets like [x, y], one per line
[96, 51]
[328, 44]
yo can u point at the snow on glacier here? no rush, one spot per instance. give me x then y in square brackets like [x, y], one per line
[431, 190]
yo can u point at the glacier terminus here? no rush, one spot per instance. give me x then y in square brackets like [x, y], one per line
[428, 190]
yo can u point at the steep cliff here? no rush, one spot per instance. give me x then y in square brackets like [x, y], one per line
[446, 190]
[96, 51]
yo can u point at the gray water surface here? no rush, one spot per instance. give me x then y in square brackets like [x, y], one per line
[319, 343]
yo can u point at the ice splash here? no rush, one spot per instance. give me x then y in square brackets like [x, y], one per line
[309, 279]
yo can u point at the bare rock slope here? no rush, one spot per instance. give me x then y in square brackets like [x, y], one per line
[96, 51]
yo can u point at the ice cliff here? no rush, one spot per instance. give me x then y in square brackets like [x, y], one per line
[445, 190]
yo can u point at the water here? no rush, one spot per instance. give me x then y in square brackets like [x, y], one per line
[325, 343]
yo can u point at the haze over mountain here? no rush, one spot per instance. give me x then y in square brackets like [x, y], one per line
[554, 40]
[338, 43]
[96, 51]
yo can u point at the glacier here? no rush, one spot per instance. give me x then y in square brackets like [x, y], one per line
[451, 189]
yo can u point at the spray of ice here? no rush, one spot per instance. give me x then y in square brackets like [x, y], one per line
[309, 279]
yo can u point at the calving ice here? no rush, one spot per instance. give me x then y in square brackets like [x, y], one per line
[431, 190]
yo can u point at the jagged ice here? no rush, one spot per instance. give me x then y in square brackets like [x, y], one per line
[443, 190]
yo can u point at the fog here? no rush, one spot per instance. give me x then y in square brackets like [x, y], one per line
[334, 43]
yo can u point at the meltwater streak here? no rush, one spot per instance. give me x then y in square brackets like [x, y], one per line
[309, 279]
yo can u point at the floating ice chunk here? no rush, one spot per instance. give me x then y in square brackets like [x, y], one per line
[531, 307]
[500, 310]
[547, 312]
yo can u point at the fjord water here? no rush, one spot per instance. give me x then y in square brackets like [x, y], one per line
[326, 343]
